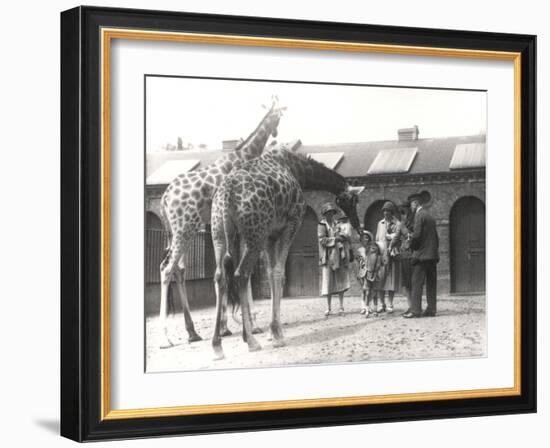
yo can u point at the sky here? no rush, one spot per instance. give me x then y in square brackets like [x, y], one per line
[209, 111]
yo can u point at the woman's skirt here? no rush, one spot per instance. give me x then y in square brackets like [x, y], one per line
[391, 281]
[334, 282]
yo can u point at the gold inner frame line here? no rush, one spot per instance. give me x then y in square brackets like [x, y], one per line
[107, 35]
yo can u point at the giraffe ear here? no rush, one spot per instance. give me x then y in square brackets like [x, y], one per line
[355, 190]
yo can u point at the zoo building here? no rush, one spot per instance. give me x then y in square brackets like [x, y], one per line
[450, 170]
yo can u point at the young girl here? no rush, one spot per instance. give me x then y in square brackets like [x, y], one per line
[368, 261]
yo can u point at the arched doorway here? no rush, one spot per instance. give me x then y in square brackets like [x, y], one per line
[373, 215]
[467, 232]
[302, 265]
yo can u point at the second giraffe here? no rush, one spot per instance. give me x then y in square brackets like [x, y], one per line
[261, 206]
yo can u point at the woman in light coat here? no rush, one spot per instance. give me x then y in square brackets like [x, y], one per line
[334, 255]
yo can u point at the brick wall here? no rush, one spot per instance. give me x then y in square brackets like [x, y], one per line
[445, 190]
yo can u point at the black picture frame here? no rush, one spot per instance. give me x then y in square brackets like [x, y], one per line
[81, 226]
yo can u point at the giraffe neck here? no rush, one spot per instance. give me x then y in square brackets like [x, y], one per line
[311, 174]
[255, 143]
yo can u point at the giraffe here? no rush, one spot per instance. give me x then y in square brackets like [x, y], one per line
[186, 206]
[261, 205]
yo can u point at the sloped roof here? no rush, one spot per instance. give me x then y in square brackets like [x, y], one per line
[329, 159]
[389, 161]
[171, 169]
[433, 155]
[468, 155]
[205, 157]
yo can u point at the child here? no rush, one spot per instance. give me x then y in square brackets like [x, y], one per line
[368, 261]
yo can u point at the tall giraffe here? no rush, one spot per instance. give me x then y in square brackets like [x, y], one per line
[186, 206]
[262, 203]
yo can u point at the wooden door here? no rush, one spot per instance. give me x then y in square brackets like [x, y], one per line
[468, 246]
[302, 266]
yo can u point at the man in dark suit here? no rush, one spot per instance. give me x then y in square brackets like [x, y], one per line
[425, 245]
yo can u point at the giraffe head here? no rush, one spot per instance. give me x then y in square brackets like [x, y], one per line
[347, 201]
[274, 116]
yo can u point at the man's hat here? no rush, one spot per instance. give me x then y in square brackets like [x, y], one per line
[329, 206]
[423, 197]
[388, 205]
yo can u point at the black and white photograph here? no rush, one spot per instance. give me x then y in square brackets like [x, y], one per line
[271, 224]
[293, 223]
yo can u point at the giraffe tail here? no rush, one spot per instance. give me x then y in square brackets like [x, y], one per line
[231, 284]
[228, 262]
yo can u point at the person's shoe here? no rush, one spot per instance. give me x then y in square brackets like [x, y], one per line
[327, 313]
[390, 309]
[341, 312]
[381, 309]
[428, 313]
[410, 315]
[363, 311]
[405, 312]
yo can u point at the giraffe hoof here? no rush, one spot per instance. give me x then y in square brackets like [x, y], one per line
[277, 343]
[257, 330]
[166, 343]
[226, 332]
[254, 347]
[194, 338]
[218, 354]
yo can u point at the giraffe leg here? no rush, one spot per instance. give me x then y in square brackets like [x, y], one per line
[248, 337]
[168, 269]
[166, 273]
[270, 266]
[165, 279]
[255, 328]
[242, 276]
[224, 331]
[279, 254]
[220, 281]
[221, 297]
[276, 330]
[189, 326]
[276, 281]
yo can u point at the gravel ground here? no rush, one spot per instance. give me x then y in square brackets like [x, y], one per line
[458, 330]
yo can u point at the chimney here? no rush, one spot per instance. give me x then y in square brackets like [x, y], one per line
[230, 145]
[408, 134]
